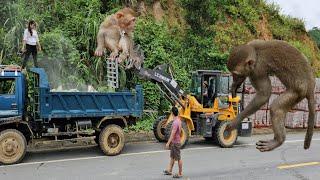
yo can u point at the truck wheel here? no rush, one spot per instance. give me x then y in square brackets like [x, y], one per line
[225, 138]
[111, 140]
[13, 146]
[159, 128]
[97, 138]
[184, 136]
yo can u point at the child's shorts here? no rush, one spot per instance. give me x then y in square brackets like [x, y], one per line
[175, 151]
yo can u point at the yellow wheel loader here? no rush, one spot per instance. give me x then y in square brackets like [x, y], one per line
[205, 110]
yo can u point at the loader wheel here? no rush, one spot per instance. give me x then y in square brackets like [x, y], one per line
[111, 140]
[159, 128]
[13, 146]
[184, 136]
[225, 138]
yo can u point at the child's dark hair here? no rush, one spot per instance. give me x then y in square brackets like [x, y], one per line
[175, 111]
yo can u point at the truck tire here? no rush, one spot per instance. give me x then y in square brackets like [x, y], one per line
[111, 140]
[184, 137]
[97, 138]
[225, 138]
[13, 146]
[159, 128]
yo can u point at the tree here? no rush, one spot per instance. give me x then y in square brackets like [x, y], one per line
[315, 34]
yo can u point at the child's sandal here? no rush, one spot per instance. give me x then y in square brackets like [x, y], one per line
[177, 176]
[166, 172]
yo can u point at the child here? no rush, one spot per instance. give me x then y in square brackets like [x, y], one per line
[174, 144]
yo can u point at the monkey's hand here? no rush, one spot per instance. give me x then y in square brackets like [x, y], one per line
[99, 52]
[233, 125]
[134, 62]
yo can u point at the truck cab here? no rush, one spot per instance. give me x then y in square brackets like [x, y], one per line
[12, 94]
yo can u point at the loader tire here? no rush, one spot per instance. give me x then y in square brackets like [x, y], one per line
[111, 140]
[159, 127]
[225, 139]
[13, 146]
[184, 136]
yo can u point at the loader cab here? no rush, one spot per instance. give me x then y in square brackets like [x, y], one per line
[12, 92]
[208, 85]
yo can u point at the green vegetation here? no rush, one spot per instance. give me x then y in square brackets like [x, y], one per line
[193, 34]
[315, 34]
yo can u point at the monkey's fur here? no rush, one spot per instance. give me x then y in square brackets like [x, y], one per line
[257, 60]
[116, 34]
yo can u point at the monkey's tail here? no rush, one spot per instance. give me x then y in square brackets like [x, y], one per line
[311, 106]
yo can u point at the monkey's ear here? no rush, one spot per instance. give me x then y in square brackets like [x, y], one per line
[119, 15]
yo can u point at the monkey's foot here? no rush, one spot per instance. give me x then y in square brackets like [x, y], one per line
[268, 145]
[113, 55]
[99, 53]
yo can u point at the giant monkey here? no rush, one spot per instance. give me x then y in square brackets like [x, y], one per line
[257, 60]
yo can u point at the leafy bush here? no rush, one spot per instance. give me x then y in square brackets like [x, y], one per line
[145, 123]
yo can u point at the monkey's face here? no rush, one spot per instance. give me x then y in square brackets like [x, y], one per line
[241, 63]
[244, 68]
[237, 67]
[126, 21]
[130, 22]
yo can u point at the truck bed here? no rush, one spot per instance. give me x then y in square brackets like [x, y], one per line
[54, 105]
[92, 104]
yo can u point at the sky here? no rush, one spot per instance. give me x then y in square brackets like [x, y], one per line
[307, 10]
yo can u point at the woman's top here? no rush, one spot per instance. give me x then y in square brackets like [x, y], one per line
[31, 40]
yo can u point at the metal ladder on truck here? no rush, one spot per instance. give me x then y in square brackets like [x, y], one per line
[112, 73]
[35, 98]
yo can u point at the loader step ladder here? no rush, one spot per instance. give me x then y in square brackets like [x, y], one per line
[112, 73]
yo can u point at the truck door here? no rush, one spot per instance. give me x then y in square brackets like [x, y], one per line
[8, 97]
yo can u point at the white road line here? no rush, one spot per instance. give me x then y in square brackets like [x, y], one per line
[132, 154]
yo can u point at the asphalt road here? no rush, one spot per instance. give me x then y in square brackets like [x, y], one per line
[202, 160]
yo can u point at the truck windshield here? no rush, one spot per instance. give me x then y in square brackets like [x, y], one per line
[7, 86]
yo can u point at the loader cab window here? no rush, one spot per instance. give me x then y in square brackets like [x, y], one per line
[223, 91]
[7, 86]
[224, 85]
[212, 91]
[196, 86]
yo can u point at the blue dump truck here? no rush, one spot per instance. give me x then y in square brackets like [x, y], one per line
[31, 115]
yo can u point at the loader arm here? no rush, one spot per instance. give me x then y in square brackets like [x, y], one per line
[162, 76]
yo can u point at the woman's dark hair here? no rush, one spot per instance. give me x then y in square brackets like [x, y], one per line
[29, 26]
[175, 111]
